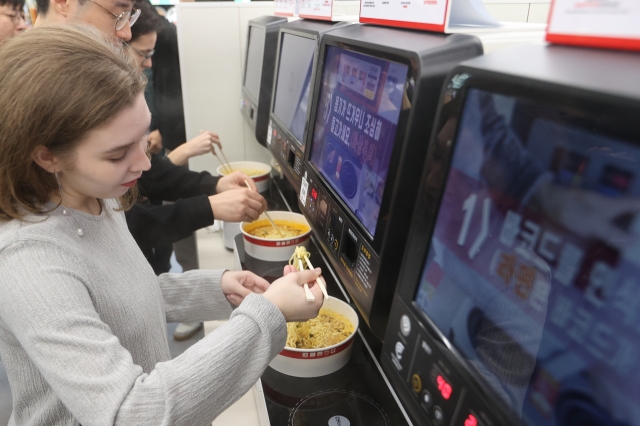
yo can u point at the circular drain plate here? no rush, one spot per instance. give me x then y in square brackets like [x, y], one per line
[337, 408]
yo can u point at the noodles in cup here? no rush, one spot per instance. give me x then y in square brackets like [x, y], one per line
[327, 329]
[263, 229]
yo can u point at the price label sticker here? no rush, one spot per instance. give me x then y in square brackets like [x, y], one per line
[304, 189]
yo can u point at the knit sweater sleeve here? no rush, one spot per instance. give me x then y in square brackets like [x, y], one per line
[194, 296]
[51, 311]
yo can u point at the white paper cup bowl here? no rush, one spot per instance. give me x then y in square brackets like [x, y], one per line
[261, 180]
[321, 361]
[275, 250]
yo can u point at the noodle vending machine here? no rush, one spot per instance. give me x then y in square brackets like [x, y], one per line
[298, 45]
[257, 82]
[375, 98]
[518, 301]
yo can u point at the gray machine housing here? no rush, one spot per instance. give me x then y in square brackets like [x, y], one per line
[256, 111]
[287, 150]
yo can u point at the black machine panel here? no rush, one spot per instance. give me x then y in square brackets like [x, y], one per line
[519, 300]
[258, 73]
[376, 95]
[295, 73]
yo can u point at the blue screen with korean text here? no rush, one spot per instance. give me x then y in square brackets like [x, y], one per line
[533, 270]
[355, 129]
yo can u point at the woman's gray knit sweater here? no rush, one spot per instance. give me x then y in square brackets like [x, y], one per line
[83, 329]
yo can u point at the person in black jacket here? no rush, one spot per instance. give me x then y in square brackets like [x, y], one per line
[198, 197]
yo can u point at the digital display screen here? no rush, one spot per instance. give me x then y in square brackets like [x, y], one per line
[293, 82]
[255, 55]
[355, 129]
[533, 271]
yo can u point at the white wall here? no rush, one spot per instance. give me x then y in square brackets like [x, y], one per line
[212, 39]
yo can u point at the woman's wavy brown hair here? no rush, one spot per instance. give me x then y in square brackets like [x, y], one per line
[57, 83]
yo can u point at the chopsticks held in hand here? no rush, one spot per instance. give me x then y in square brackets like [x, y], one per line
[225, 165]
[307, 292]
[320, 281]
[246, 182]
[298, 255]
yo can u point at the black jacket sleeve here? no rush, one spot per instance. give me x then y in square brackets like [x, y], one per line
[156, 226]
[167, 87]
[167, 182]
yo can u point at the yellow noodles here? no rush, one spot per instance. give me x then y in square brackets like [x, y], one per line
[248, 172]
[327, 329]
[270, 233]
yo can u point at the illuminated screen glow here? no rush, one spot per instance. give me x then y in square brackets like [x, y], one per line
[533, 271]
[355, 129]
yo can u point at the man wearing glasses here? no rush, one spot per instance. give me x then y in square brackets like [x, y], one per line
[109, 16]
[11, 18]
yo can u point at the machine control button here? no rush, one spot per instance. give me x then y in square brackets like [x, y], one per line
[438, 415]
[405, 325]
[416, 383]
[426, 398]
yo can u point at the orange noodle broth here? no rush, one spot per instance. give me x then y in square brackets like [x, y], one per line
[263, 229]
[327, 329]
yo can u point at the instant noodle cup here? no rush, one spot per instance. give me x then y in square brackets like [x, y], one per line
[319, 361]
[274, 248]
[259, 172]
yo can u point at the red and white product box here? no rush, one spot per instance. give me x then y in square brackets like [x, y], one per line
[444, 16]
[611, 24]
[316, 9]
[285, 8]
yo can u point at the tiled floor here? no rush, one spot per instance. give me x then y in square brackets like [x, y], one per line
[217, 257]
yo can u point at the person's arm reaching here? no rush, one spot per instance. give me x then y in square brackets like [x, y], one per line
[53, 317]
[199, 145]
[168, 182]
[156, 226]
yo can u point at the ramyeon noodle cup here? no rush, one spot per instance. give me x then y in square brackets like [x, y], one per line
[261, 180]
[275, 250]
[321, 361]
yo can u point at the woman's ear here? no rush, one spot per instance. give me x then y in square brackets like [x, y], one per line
[45, 159]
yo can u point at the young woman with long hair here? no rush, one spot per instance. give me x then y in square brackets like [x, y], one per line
[82, 315]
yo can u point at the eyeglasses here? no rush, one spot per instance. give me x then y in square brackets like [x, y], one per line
[144, 55]
[15, 17]
[130, 16]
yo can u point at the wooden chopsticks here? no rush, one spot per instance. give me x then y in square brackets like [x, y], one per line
[246, 182]
[296, 260]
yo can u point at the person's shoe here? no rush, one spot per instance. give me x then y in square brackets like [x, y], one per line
[187, 330]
